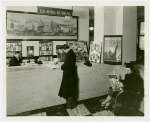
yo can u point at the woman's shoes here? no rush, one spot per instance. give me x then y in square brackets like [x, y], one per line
[102, 104]
[105, 106]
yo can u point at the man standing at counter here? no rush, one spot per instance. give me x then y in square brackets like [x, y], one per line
[61, 54]
[69, 85]
[16, 59]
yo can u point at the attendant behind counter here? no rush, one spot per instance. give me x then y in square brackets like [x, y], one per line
[16, 59]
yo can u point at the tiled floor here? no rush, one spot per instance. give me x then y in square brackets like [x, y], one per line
[93, 105]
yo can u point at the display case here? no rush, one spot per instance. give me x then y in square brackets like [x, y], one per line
[46, 51]
[11, 48]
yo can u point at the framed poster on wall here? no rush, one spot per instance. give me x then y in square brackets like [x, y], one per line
[112, 53]
[30, 51]
[95, 52]
[80, 49]
[32, 26]
[30, 48]
[57, 44]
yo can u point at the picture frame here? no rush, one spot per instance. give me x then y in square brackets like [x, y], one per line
[112, 49]
[80, 49]
[30, 51]
[95, 52]
[32, 26]
[57, 44]
[12, 47]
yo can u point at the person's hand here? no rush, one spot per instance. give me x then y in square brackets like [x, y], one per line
[120, 84]
[22, 64]
[55, 62]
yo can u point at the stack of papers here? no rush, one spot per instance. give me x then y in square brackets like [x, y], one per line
[80, 110]
[52, 66]
[104, 113]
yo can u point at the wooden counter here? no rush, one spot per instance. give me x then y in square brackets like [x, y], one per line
[35, 87]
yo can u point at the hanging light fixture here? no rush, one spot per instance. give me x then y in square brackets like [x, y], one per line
[91, 20]
[91, 28]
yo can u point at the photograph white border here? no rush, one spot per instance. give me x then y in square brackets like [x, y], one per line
[73, 3]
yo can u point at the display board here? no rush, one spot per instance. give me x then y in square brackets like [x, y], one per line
[46, 51]
[95, 52]
[30, 48]
[112, 53]
[12, 47]
[80, 49]
[57, 44]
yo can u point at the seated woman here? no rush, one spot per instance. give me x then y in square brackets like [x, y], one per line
[16, 59]
[133, 83]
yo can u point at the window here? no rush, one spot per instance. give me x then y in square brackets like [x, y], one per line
[141, 35]
[140, 44]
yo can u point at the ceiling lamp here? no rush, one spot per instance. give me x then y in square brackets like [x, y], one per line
[91, 28]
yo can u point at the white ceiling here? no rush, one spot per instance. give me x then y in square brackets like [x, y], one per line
[88, 7]
[140, 11]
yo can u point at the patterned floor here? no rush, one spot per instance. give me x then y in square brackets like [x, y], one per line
[93, 106]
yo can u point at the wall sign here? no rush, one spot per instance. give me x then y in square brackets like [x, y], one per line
[53, 11]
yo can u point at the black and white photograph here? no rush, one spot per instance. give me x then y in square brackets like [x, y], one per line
[30, 50]
[56, 68]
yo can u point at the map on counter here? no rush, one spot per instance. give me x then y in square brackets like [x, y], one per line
[52, 66]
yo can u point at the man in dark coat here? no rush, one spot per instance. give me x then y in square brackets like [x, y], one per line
[69, 85]
[15, 60]
[61, 54]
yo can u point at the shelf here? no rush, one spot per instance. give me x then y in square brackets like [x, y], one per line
[12, 51]
[45, 50]
[45, 55]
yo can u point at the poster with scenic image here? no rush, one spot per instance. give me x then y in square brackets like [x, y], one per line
[95, 52]
[22, 25]
[30, 51]
[112, 49]
[80, 49]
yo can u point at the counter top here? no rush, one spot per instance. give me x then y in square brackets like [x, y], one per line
[35, 87]
[49, 65]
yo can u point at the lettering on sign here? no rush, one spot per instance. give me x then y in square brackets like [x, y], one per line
[54, 11]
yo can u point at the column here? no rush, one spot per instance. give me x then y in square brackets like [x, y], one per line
[129, 33]
[99, 26]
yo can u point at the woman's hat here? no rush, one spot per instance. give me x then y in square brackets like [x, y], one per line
[65, 46]
[87, 63]
[128, 65]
